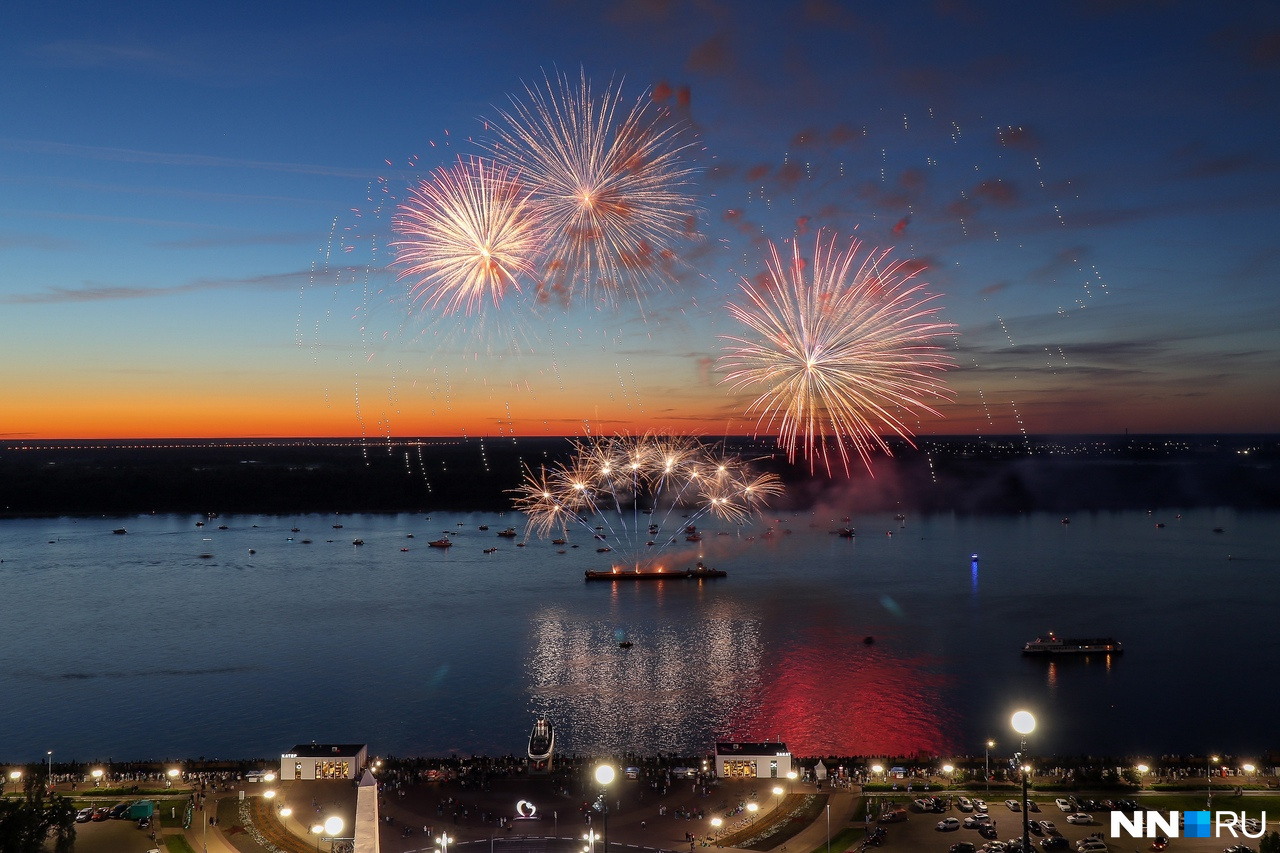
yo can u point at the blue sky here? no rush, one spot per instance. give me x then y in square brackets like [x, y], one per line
[1092, 188]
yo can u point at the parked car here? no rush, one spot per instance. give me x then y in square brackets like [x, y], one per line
[1064, 805]
[964, 847]
[980, 805]
[1092, 845]
[1014, 805]
[84, 815]
[964, 804]
[1055, 842]
[1033, 806]
[1048, 827]
[988, 831]
[974, 821]
[103, 813]
[948, 824]
[1079, 817]
[118, 810]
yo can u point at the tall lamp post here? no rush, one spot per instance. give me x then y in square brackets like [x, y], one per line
[987, 763]
[49, 781]
[604, 775]
[1213, 759]
[1024, 724]
[333, 826]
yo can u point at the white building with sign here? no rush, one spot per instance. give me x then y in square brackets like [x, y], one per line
[752, 760]
[324, 761]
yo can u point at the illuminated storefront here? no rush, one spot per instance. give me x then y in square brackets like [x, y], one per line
[324, 761]
[752, 760]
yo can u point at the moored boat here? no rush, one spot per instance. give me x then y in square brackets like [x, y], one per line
[1051, 644]
[542, 744]
[441, 543]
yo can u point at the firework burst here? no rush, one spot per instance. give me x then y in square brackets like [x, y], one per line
[467, 235]
[836, 354]
[625, 491]
[611, 184]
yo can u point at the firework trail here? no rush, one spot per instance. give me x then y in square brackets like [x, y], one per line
[466, 235]
[625, 490]
[835, 352]
[611, 184]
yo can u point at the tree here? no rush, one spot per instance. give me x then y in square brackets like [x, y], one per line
[1269, 843]
[26, 823]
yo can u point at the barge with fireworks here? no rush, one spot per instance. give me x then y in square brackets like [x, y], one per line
[1055, 645]
[698, 571]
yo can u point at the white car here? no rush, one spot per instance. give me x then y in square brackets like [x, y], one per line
[947, 824]
[1014, 805]
[964, 804]
[980, 805]
[1064, 805]
[1079, 817]
[1091, 845]
[1048, 827]
[974, 821]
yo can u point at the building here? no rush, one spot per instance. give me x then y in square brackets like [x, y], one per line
[752, 760]
[324, 761]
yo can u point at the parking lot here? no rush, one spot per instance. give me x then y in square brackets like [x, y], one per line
[920, 829]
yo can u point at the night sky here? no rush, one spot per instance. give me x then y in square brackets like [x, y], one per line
[195, 209]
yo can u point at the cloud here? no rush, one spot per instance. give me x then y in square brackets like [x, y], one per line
[168, 158]
[43, 242]
[108, 292]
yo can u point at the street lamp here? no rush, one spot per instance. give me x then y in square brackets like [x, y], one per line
[791, 779]
[1024, 724]
[1213, 759]
[828, 827]
[285, 811]
[50, 781]
[753, 808]
[97, 777]
[333, 826]
[715, 824]
[777, 792]
[987, 763]
[270, 795]
[604, 775]
[316, 829]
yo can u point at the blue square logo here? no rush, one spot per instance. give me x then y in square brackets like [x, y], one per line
[1195, 824]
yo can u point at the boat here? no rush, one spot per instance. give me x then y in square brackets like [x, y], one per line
[1066, 520]
[510, 532]
[483, 527]
[846, 532]
[1051, 644]
[490, 550]
[357, 541]
[699, 571]
[337, 527]
[693, 537]
[542, 744]
[402, 550]
[120, 531]
[441, 543]
[557, 541]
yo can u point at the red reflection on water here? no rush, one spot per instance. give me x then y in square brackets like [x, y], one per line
[829, 693]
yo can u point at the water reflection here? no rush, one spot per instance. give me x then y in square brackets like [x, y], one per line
[676, 684]
[830, 693]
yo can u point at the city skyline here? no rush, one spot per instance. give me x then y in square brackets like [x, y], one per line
[197, 209]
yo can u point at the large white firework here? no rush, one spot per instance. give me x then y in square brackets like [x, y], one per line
[836, 353]
[466, 236]
[612, 184]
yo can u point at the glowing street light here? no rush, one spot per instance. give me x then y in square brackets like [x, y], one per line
[791, 778]
[753, 808]
[97, 777]
[285, 811]
[317, 830]
[333, 825]
[987, 763]
[1213, 759]
[1024, 723]
[715, 825]
[604, 775]
[270, 795]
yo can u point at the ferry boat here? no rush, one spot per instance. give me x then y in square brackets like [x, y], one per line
[1052, 644]
[542, 743]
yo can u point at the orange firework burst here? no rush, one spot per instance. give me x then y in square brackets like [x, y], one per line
[467, 234]
[838, 353]
[612, 186]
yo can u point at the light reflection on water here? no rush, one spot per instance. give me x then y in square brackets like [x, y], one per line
[676, 682]
[428, 651]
